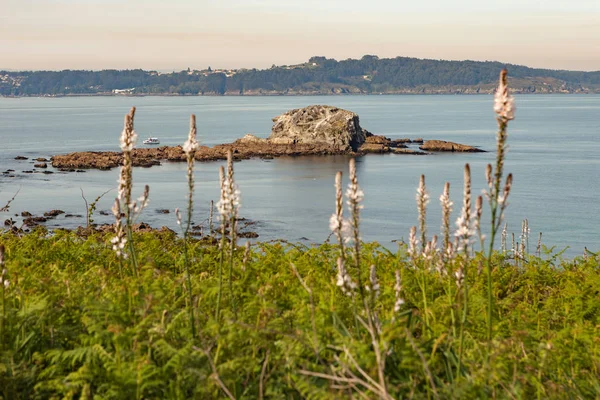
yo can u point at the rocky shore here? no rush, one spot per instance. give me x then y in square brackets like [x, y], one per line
[313, 130]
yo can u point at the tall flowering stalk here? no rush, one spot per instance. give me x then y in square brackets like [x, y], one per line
[355, 197]
[222, 244]
[463, 234]
[503, 238]
[447, 249]
[233, 198]
[125, 204]
[525, 236]
[478, 214]
[446, 204]
[413, 243]
[4, 283]
[336, 222]
[504, 107]
[399, 301]
[422, 200]
[228, 207]
[119, 241]
[339, 226]
[189, 148]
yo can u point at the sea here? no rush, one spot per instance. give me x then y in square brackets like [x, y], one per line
[553, 154]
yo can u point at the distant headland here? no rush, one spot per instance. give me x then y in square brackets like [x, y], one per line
[317, 76]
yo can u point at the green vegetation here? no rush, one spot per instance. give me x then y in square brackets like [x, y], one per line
[74, 327]
[319, 75]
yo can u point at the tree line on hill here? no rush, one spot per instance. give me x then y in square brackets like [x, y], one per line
[369, 74]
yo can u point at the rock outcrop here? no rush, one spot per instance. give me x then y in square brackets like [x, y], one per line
[319, 125]
[313, 130]
[441, 145]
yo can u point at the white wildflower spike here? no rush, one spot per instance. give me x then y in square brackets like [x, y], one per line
[118, 242]
[446, 204]
[413, 243]
[440, 267]
[450, 251]
[128, 135]
[504, 196]
[422, 198]
[373, 281]
[336, 222]
[128, 139]
[191, 145]
[459, 275]
[431, 249]
[512, 249]
[4, 282]
[465, 230]
[354, 199]
[478, 214]
[503, 239]
[344, 281]
[246, 256]
[229, 203]
[354, 194]
[504, 103]
[397, 289]
[464, 233]
[488, 177]
[525, 235]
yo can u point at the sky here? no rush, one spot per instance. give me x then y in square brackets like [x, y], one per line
[177, 34]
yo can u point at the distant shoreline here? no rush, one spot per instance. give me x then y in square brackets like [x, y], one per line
[440, 93]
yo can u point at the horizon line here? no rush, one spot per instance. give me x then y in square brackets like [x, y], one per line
[164, 70]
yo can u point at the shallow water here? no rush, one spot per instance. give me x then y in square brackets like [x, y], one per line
[553, 155]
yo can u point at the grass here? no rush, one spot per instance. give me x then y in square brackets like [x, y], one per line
[144, 316]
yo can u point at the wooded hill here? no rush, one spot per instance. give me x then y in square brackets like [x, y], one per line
[320, 75]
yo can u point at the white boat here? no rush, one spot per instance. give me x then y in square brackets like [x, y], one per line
[151, 140]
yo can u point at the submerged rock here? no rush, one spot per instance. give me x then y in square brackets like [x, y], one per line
[409, 151]
[374, 148]
[34, 221]
[53, 213]
[442, 145]
[248, 235]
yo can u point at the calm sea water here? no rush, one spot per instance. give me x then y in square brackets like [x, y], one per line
[553, 155]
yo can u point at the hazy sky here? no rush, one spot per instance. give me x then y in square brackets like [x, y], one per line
[176, 34]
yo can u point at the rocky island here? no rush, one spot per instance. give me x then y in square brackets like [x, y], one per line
[313, 130]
